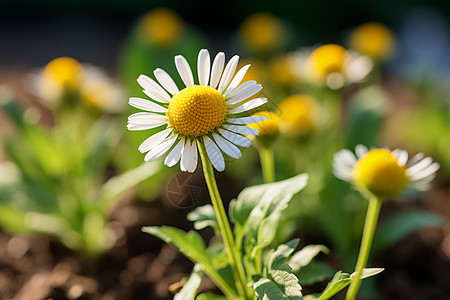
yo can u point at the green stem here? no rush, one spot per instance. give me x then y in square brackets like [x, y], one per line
[267, 163]
[224, 225]
[366, 243]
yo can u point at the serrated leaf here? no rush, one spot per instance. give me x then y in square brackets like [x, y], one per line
[304, 256]
[402, 224]
[266, 289]
[279, 282]
[203, 217]
[256, 211]
[192, 246]
[341, 280]
[189, 290]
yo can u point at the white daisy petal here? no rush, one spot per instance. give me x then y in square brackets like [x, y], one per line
[245, 94]
[236, 80]
[166, 81]
[154, 140]
[194, 157]
[134, 127]
[217, 69]
[249, 105]
[214, 154]
[360, 150]
[146, 105]
[424, 163]
[186, 156]
[155, 96]
[339, 163]
[146, 118]
[428, 171]
[416, 158]
[241, 129]
[203, 67]
[227, 147]
[347, 157]
[161, 148]
[246, 120]
[174, 156]
[228, 73]
[342, 172]
[242, 87]
[236, 139]
[184, 70]
[154, 88]
[401, 156]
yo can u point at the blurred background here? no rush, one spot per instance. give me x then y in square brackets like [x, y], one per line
[92, 248]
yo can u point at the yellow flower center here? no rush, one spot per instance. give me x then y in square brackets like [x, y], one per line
[64, 72]
[325, 60]
[161, 26]
[197, 110]
[299, 115]
[268, 127]
[262, 32]
[379, 173]
[373, 39]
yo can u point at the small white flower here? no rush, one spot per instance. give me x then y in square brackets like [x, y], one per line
[384, 173]
[207, 112]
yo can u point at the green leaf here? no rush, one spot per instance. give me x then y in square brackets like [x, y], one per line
[189, 290]
[402, 224]
[304, 256]
[315, 271]
[209, 296]
[278, 281]
[192, 246]
[203, 217]
[341, 280]
[257, 210]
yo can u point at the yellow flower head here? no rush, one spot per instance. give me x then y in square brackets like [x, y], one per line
[379, 172]
[63, 73]
[261, 32]
[299, 115]
[327, 59]
[161, 26]
[382, 172]
[373, 39]
[281, 71]
[269, 127]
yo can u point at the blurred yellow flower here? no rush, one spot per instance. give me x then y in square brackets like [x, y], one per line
[63, 73]
[161, 26]
[65, 79]
[382, 172]
[269, 127]
[330, 65]
[262, 32]
[281, 71]
[373, 39]
[299, 115]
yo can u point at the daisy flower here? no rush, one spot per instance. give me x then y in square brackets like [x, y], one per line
[382, 172]
[330, 65]
[209, 112]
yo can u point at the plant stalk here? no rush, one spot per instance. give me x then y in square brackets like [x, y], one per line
[369, 230]
[224, 225]
[267, 163]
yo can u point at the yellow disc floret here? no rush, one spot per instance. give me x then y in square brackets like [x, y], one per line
[161, 26]
[64, 72]
[325, 60]
[299, 115]
[197, 110]
[379, 172]
[373, 39]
